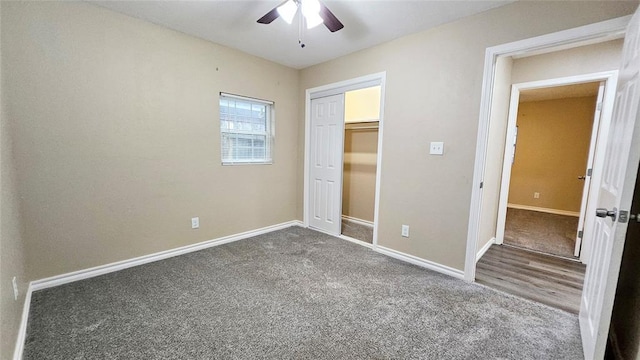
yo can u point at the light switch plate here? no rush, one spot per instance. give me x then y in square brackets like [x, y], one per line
[195, 223]
[437, 148]
[405, 231]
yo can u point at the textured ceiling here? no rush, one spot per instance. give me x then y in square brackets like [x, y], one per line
[233, 23]
[560, 92]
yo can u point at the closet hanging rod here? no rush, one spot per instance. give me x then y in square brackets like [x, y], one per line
[362, 122]
[362, 127]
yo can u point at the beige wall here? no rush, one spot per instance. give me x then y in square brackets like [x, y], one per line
[499, 117]
[551, 152]
[577, 61]
[359, 180]
[362, 104]
[11, 248]
[433, 91]
[116, 135]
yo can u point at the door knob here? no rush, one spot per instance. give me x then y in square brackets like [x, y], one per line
[602, 212]
[582, 177]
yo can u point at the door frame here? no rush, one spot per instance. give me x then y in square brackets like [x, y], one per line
[610, 78]
[588, 34]
[583, 222]
[340, 88]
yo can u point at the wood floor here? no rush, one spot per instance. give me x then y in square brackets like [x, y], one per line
[546, 279]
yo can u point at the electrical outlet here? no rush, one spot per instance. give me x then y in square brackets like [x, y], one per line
[15, 288]
[536, 195]
[195, 222]
[436, 148]
[405, 230]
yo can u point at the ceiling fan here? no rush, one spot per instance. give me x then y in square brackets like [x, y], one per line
[314, 12]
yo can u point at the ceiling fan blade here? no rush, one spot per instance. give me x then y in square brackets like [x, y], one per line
[330, 21]
[269, 17]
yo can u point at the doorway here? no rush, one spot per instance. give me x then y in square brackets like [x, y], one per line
[548, 174]
[362, 115]
[604, 260]
[552, 151]
[555, 132]
[495, 97]
[343, 139]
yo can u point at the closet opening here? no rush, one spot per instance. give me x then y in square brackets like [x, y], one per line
[344, 125]
[360, 165]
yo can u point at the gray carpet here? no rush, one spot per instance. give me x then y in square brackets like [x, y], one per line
[547, 233]
[357, 231]
[291, 294]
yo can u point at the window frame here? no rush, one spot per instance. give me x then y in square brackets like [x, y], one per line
[269, 132]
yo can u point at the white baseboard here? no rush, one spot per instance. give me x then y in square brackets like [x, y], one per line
[544, 210]
[22, 330]
[356, 241]
[358, 221]
[342, 237]
[485, 248]
[121, 265]
[145, 259]
[459, 274]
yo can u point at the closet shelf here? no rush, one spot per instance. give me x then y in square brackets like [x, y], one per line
[361, 125]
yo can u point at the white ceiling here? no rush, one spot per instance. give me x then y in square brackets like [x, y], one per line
[233, 23]
[560, 92]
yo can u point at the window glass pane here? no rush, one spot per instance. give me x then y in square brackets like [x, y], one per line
[244, 130]
[244, 141]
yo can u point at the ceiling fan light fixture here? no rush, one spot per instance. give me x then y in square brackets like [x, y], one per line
[288, 11]
[310, 7]
[313, 20]
[313, 13]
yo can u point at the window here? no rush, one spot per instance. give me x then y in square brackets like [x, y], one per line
[246, 129]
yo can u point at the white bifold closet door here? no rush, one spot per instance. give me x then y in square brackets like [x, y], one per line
[325, 173]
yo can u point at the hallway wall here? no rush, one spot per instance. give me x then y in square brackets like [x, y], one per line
[551, 152]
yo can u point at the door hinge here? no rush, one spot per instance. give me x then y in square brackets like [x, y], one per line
[481, 184]
[589, 172]
[580, 233]
[599, 106]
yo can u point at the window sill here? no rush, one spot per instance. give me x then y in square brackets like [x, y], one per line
[230, 163]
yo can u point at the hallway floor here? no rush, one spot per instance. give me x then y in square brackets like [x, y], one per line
[542, 278]
[547, 233]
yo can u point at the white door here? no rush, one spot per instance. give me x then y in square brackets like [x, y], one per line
[587, 177]
[616, 192]
[327, 134]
